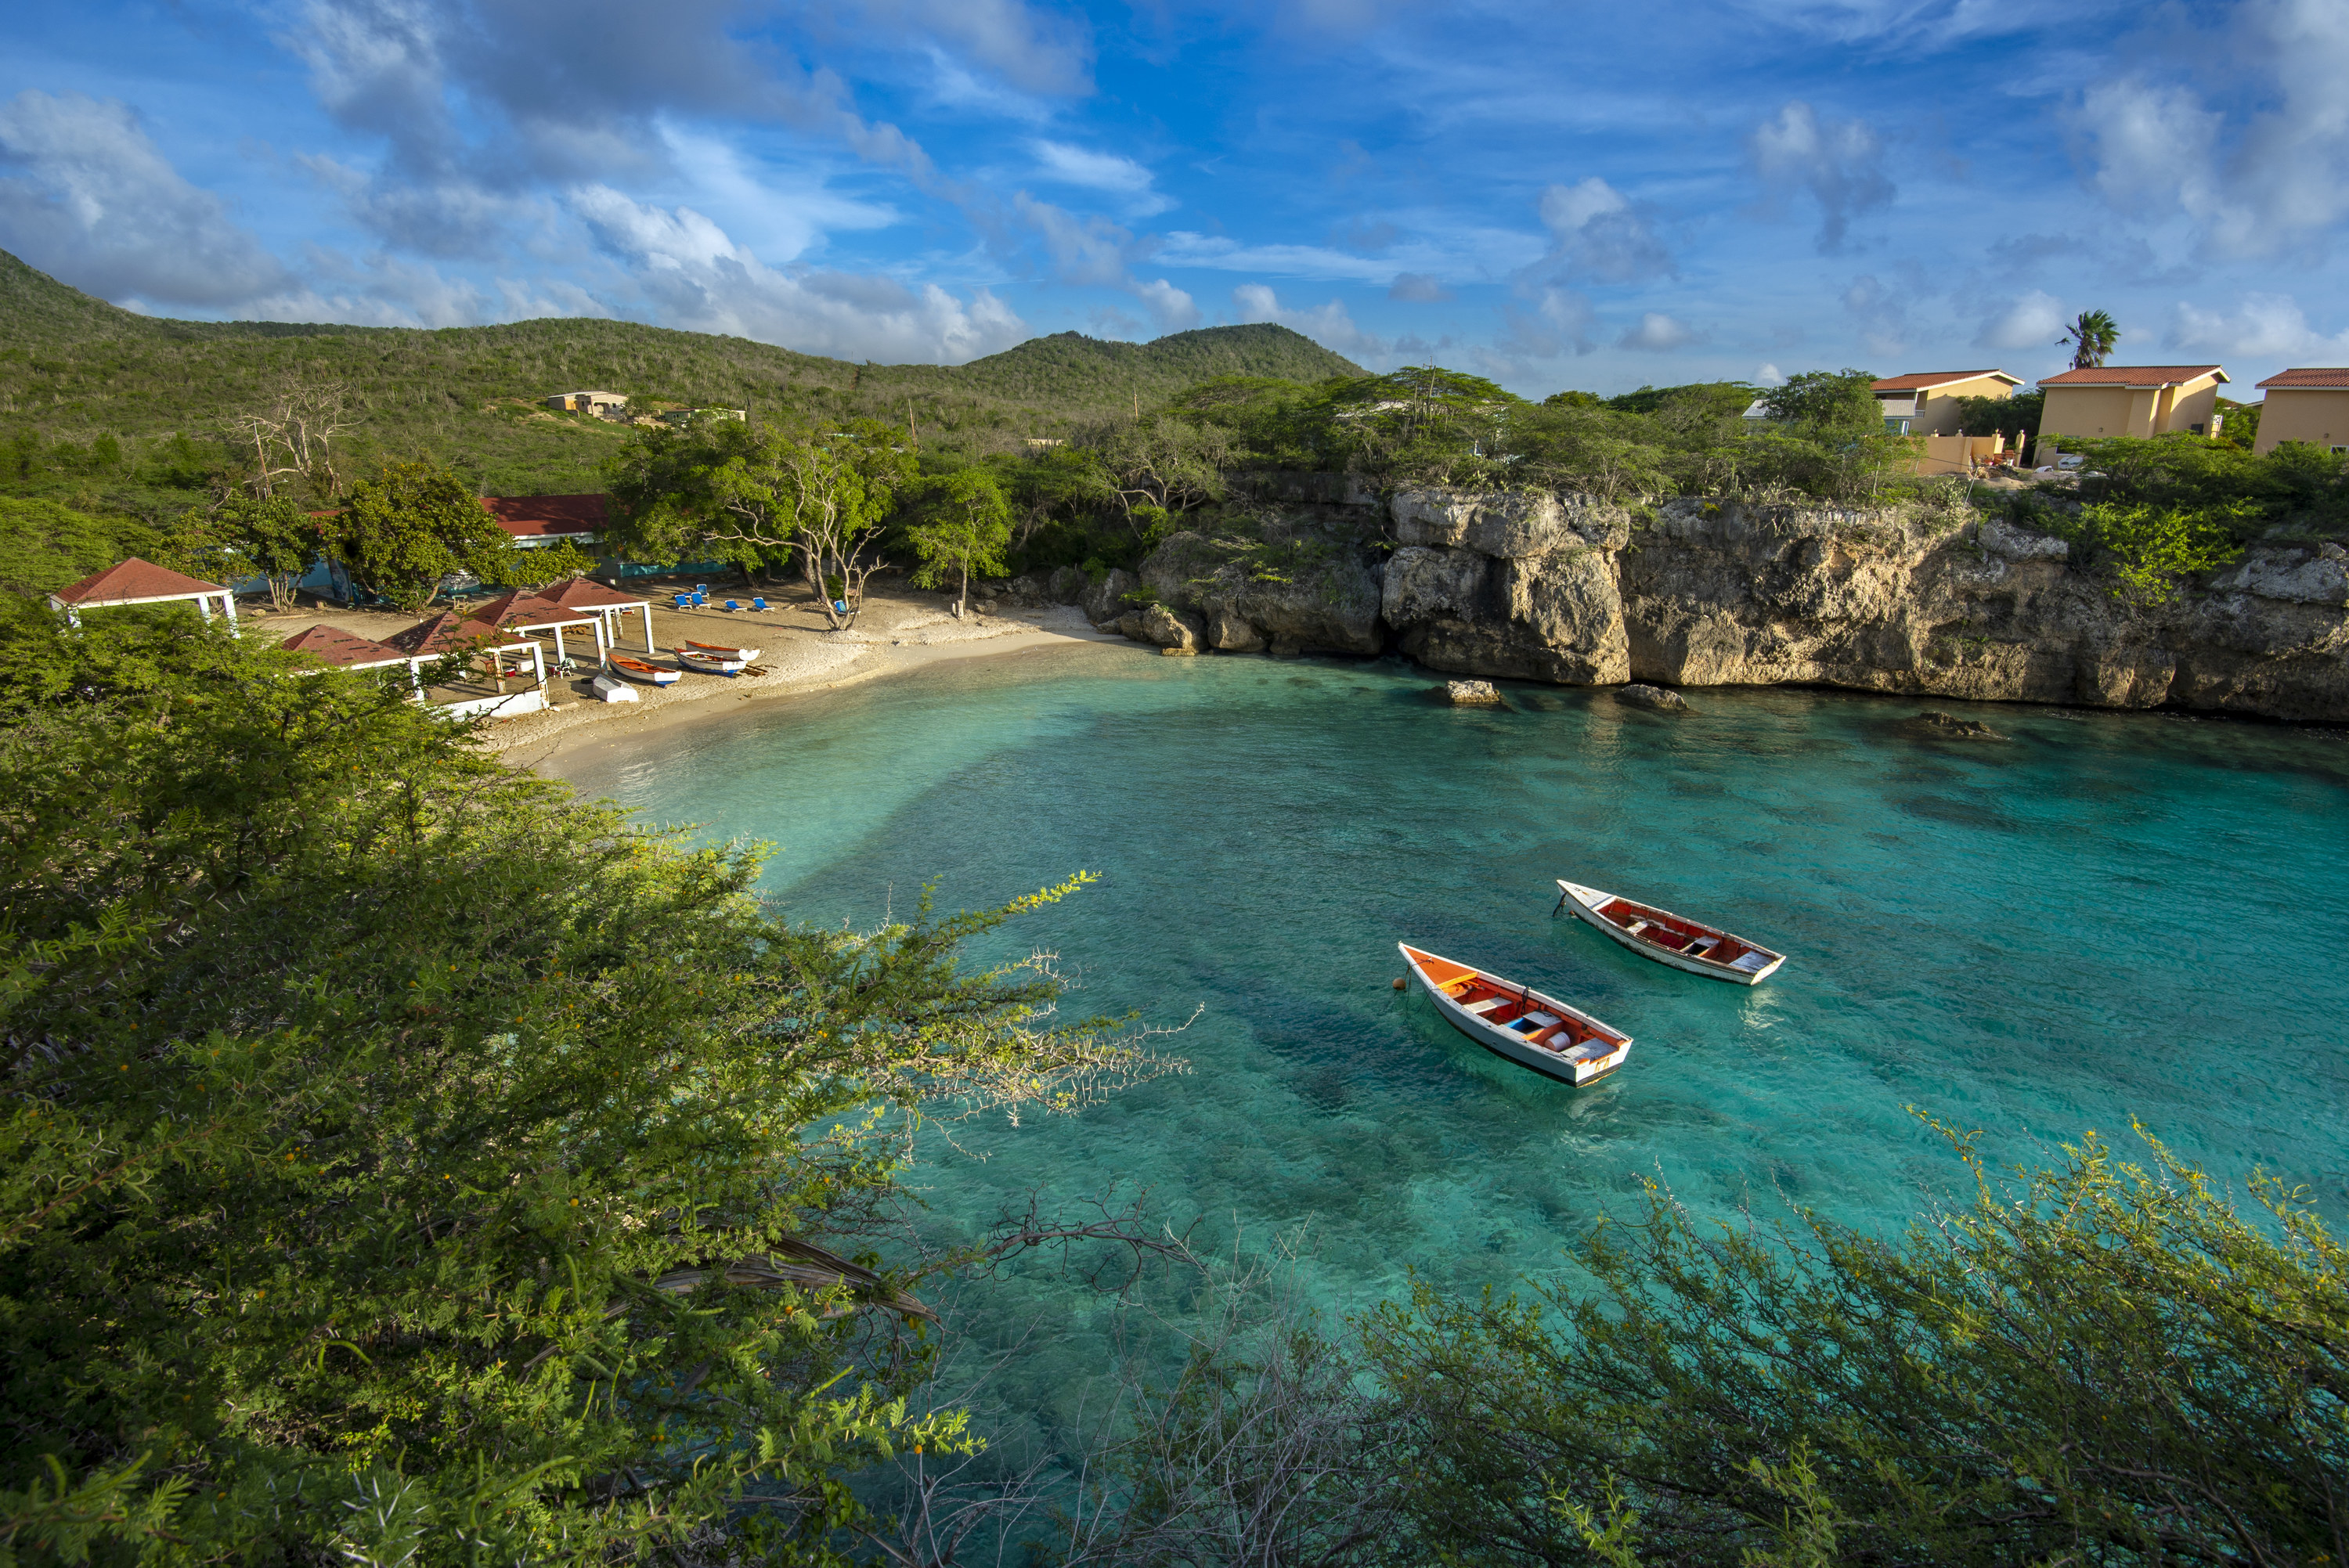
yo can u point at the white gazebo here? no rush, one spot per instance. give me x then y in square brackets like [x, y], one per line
[136, 581]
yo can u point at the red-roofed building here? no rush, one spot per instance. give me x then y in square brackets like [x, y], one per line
[2310, 405]
[524, 610]
[1924, 402]
[2131, 400]
[344, 650]
[541, 519]
[136, 581]
[444, 633]
[607, 603]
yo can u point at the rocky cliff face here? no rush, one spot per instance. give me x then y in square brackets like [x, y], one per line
[1539, 587]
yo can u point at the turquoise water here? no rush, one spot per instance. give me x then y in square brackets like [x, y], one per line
[2109, 915]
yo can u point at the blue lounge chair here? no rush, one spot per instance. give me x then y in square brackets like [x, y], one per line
[732, 605]
[757, 603]
[700, 597]
[685, 600]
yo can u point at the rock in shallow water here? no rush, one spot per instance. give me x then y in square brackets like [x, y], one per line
[1472, 694]
[1954, 727]
[1655, 699]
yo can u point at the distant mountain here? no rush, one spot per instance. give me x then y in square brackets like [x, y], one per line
[74, 369]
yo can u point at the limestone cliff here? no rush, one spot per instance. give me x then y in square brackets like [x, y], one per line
[1539, 587]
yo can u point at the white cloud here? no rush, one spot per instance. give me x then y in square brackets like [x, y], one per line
[1841, 166]
[1169, 307]
[1656, 333]
[1560, 322]
[2262, 326]
[2035, 320]
[1084, 250]
[1033, 49]
[1467, 256]
[1601, 235]
[1769, 375]
[1328, 324]
[1882, 313]
[86, 195]
[1420, 288]
[2254, 185]
[1104, 171]
[696, 277]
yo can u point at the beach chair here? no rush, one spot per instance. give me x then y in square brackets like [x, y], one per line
[701, 597]
[685, 600]
[732, 605]
[758, 605]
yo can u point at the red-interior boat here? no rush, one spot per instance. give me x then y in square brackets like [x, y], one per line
[1669, 938]
[1511, 1020]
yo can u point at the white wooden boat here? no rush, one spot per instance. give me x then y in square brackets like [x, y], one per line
[1523, 1024]
[1669, 938]
[644, 674]
[713, 658]
[612, 688]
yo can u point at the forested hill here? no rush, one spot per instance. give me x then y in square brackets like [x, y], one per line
[75, 370]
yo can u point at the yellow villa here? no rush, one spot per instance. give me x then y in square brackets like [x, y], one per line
[2131, 400]
[2310, 406]
[1925, 403]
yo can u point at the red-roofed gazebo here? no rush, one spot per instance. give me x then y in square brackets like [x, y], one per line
[344, 650]
[136, 581]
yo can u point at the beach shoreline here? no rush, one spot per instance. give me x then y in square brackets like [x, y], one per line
[552, 742]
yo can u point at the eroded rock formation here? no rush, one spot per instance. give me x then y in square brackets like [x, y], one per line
[1696, 593]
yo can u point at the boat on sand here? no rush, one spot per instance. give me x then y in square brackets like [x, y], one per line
[644, 674]
[715, 658]
[1669, 938]
[612, 688]
[1513, 1021]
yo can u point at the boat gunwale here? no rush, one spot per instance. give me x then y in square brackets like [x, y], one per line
[1537, 1054]
[1590, 904]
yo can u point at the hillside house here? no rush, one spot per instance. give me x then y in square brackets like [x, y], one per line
[1924, 402]
[536, 521]
[2310, 406]
[603, 405]
[2141, 400]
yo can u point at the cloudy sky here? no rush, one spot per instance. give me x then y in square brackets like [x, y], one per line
[1584, 195]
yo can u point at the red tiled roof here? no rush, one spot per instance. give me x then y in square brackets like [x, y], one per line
[128, 582]
[535, 516]
[2134, 376]
[339, 648]
[2337, 380]
[440, 634]
[1922, 380]
[522, 606]
[580, 594]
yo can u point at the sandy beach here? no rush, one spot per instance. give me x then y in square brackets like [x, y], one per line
[899, 630]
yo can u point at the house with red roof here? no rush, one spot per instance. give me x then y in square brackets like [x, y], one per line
[2310, 404]
[2142, 400]
[1924, 402]
[536, 521]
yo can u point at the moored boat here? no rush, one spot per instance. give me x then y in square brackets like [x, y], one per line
[644, 674]
[714, 658]
[612, 688]
[1514, 1021]
[1669, 938]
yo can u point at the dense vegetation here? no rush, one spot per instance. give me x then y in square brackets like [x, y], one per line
[107, 410]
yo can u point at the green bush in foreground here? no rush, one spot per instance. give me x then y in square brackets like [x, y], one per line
[2105, 1363]
[404, 1163]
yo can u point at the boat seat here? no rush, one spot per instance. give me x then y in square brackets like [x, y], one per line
[1486, 1006]
[1750, 962]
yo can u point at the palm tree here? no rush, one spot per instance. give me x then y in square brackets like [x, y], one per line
[2092, 336]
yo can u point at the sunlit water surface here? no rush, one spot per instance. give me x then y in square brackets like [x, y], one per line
[2107, 916]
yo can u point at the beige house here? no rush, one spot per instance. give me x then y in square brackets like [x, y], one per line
[2310, 406]
[603, 405]
[2131, 400]
[1926, 403]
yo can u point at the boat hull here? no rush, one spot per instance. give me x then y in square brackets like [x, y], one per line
[1587, 903]
[1575, 1070]
[611, 688]
[711, 659]
[646, 675]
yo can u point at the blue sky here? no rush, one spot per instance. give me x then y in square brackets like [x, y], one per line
[1556, 196]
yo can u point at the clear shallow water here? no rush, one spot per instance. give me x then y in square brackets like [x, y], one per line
[2111, 916]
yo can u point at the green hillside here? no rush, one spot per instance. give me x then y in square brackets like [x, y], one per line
[107, 408]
